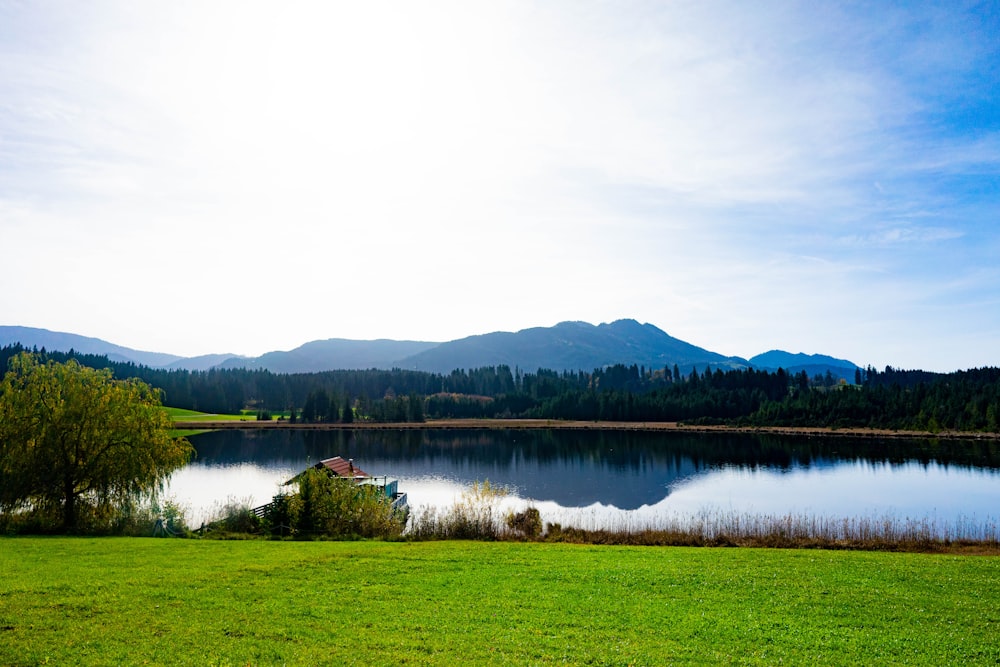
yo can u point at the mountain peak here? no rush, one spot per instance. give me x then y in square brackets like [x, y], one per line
[571, 345]
[812, 364]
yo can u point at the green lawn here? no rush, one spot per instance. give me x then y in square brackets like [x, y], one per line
[117, 601]
[180, 414]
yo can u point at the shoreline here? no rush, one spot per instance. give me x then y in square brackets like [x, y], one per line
[525, 424]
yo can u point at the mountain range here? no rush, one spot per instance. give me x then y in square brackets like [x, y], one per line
[567, 346]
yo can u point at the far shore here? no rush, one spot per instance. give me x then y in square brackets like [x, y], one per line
[519, 424]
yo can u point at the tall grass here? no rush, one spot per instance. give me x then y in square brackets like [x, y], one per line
[233, 517]
[475, 516]
[720, 528]
[479, 515]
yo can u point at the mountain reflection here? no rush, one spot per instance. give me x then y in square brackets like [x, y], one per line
[626, 469]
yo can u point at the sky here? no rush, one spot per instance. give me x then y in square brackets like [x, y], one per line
[207, 177]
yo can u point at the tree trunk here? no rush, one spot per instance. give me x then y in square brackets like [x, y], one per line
[69, 506]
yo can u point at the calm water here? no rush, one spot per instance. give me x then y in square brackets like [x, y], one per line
[614, 479]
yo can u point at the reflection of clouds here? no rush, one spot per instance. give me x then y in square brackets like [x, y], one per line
[201, 489]
[427, 493]
[847, 489]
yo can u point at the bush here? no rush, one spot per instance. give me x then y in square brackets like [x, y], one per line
[160, 517]
[235, 516]
[277, 519]
[155, 517]
[335, 507]
[527, 523]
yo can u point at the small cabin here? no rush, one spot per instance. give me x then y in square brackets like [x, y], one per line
[342, 467]
[345, 468]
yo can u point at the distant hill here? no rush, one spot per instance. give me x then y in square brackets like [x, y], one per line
[567, 346]
[64, 342]
[334, 354]
[203, 362]
[570, 346]
[812, 364]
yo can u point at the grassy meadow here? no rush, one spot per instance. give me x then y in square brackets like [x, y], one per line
[113, 601]
[180, 414]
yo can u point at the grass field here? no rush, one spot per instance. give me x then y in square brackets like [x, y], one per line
[188, 416]
[180, 414]
[116, 601]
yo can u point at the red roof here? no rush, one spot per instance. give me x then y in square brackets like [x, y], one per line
[342, 467]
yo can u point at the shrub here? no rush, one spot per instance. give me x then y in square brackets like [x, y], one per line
[159, 517]
[335, 507]
[277, 519]
[527, 523]
[171, 520]
[235, 516]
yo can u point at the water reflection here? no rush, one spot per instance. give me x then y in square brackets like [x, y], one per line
[572, 475]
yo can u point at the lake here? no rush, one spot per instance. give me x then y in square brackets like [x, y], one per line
[619, 479]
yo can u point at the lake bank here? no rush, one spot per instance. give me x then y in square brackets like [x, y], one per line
[533, 424]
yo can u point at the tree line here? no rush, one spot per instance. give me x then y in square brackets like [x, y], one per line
[892, 398]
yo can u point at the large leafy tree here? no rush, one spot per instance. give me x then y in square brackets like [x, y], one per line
[76, 444]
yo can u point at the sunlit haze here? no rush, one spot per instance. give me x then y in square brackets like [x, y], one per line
[199, 177]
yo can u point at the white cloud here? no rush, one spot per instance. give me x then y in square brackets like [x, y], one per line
[893, 234]
[438, 170]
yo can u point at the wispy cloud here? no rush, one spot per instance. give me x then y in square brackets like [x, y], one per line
[454, 168]
[895, 235]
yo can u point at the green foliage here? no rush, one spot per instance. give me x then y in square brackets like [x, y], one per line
[331, 506]
[277, 519]
[893, 399]
[190, 602]
[527, 523]
[173, 515]
[414, 408]
[235, 516]
[78, 447]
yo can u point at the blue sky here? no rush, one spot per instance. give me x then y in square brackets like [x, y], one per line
[194, 177]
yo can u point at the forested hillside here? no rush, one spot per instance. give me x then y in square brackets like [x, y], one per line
[896, 399]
